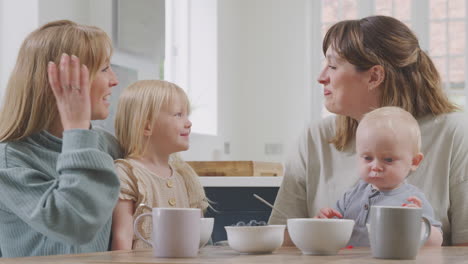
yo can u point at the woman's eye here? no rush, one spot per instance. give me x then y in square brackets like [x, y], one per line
[388, 160]
[367, 158]
[178, 114]
[332, 67]
[105, 69]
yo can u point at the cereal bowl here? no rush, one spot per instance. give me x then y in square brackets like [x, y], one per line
[314, 236]
[206, 228]
[255, 239]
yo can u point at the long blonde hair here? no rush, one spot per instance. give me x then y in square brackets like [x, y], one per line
[29, 105]
[140, 105]
[411, 80]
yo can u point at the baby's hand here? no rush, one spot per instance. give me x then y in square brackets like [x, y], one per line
[328, 213]
[414, 202]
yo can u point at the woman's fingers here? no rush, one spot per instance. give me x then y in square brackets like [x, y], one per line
[64, 72]
[52, 73]
[84, 80]
[75, 73]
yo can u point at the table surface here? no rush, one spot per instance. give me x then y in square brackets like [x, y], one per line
[213, 254]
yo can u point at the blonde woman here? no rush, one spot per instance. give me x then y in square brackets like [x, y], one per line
[373, 62]
[151, 125]
[58, 185]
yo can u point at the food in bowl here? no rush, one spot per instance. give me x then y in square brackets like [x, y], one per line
[250, 223]
[314, 236]
[255, 239]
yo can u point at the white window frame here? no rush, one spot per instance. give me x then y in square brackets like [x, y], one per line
[191, 58]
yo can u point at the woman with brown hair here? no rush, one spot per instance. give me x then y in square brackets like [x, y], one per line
[374, 62]
[58, 186]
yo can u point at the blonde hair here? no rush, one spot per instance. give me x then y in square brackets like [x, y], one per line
[394, 119]
[411, 80]
[140, 105]
[29, 105]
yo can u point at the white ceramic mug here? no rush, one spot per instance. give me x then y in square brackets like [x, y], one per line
[176, 232]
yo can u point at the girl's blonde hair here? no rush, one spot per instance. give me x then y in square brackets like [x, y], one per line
[29, 105]
[139, 106]
[411, 80]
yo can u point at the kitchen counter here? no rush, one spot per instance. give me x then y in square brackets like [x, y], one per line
[226, 181]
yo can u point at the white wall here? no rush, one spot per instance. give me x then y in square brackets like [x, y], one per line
[75, 10]
[265, 73]
[17, 20]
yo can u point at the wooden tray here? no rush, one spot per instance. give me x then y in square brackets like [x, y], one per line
[237, 168]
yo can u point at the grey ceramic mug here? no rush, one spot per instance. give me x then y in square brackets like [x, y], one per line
[395, 232]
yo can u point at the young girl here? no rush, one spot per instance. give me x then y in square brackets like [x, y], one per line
[151, 125]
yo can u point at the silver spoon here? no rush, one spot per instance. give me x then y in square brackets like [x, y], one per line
[270, 205]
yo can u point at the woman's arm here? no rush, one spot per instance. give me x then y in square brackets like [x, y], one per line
[287, 242]
[435, 239]
[122, 225]
[68, 200]
[292, 194]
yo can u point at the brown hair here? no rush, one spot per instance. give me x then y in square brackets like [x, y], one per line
[29, 105]
[411, 80]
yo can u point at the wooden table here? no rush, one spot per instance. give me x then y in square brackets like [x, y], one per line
[225, 255]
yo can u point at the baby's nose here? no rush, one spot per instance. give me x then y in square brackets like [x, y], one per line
[376, 167]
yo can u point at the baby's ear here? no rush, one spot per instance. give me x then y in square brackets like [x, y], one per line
[416, 161]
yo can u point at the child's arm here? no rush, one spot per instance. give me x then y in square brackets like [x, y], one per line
[122, 225]
[435, 239]
[328, 213]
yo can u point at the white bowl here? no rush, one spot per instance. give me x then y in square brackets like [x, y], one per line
[255, 239]
[206, 228]
[315, 236]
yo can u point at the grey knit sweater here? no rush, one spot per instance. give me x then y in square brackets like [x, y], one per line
[57, 195]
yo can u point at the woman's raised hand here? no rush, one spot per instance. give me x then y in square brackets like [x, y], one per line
[70, 85]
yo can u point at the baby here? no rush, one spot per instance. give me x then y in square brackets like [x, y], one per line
[388, 142]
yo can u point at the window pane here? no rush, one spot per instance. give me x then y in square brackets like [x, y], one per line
[440, 65]
[437, 42]
[456, 8]
[325, 28]
[383, 7]
[402, 9]
[457, 72]
[349, 9]
[438, 9]
[407, 23]
[456, 37]
[330, 9]
[458, 99]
